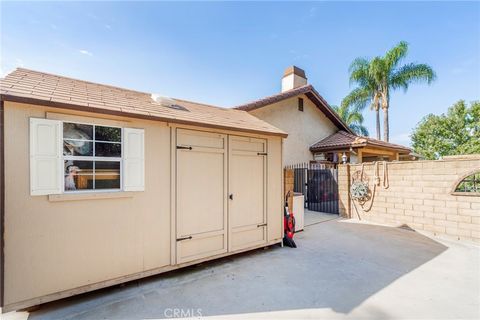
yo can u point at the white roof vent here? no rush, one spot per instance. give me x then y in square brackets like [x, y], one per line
[164, 101]
[167, 102]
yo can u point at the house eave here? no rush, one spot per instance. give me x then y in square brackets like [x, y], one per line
[76, 107]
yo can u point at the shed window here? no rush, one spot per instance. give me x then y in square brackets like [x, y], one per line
[73, 157]
[300, 104]
[92, 157]
[470, 184]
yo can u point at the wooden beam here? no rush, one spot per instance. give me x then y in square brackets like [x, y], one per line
[378, 151]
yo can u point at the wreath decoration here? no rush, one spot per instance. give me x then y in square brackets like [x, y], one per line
[359, 190]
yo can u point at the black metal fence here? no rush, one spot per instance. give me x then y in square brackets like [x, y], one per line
[319, 184]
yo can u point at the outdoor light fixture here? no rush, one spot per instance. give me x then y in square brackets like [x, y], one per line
[344, 158]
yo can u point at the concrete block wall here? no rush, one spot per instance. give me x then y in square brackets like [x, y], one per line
[289, 182]
[419, 196]
[343, 190]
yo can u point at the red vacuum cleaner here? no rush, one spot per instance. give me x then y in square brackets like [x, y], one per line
[288, 225]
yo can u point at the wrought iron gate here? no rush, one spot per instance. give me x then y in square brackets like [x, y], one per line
[319, 184]
[322, 190]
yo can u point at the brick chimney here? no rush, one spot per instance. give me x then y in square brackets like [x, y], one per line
[293, 77]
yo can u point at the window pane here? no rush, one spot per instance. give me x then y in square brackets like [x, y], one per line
[107, 167]
[78, 167]
[470, 184]
[78, 182]
[111, 181]
[107, 175]
[77, 131]
[108, 134]
[78, 175]
[103, 149]
[77, 148]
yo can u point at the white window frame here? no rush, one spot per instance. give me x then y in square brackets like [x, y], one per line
[92, 158]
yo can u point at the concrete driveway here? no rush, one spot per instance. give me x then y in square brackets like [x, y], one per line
[339, 270]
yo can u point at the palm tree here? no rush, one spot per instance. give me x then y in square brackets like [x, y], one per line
[352, 117]
[376, 78]
[366, 92]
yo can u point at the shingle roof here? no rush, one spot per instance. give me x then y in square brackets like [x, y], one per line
[28, 86]
[343, 139]
[310, 92]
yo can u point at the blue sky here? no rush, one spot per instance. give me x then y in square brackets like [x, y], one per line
[226, 53]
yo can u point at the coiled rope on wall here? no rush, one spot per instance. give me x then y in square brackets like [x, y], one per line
[360, 190]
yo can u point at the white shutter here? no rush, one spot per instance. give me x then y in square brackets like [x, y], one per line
[133, 159]
[45, 157]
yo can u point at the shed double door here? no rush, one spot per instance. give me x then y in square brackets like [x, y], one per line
[220, 194]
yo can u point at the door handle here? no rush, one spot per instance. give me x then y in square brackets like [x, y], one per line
[262, 225]
[230, 196]
[183, 147]
[185, 238]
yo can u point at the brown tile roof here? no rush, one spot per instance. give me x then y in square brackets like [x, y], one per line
[310, 92]
[343, 139]
[28, 86]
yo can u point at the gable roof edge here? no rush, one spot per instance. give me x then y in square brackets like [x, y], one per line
[311, 93]
[332, 112]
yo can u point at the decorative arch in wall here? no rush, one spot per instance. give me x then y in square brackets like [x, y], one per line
[468, 184]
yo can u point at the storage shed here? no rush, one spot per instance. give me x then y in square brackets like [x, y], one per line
[102, 185]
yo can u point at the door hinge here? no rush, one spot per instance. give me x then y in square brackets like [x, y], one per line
[262, 154]
[262, 225]
[185, 238]
[183, 147]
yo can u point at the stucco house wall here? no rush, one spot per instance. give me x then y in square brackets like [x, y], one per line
[303, 128]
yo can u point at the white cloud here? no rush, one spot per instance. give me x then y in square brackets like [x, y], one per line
[86, 52]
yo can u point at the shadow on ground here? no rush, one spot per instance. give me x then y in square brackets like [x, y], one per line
[336, 265]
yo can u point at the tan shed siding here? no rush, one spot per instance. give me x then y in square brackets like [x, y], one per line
[303, 128]
[60, 245]
[74, 243]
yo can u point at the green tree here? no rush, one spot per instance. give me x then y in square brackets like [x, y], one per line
[453, 133]
[378, 77]
[353, 117]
